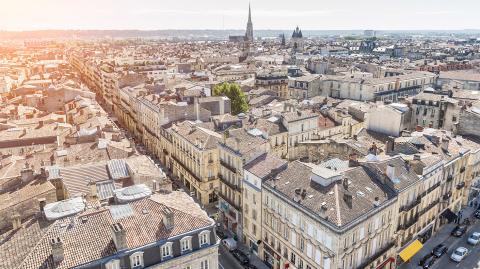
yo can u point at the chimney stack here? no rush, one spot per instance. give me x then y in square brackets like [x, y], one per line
[347, 197]
[57, 249]
[168, 220]
[119, 236]
[16, 221]
[390, 171]
[26, 173]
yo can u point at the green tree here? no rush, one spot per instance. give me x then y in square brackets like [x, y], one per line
[237, 97]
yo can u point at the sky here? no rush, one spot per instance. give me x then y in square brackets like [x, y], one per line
[232, 14]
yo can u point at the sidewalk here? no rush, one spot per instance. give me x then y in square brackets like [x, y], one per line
[441, 236]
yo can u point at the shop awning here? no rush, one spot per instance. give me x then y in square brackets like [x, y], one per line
[449, 215]
[412, 249]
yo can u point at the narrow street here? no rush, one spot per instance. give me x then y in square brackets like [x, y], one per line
[443, 236]
[226, 260]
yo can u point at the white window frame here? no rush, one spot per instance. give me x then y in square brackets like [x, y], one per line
[204, 264]
[204, 238]
[133, 258]
[167, 247]
[113, 264]
[188, 241]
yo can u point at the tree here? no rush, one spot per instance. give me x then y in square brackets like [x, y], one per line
[237, 97]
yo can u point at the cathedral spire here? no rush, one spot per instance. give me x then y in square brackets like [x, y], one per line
[249, 32]
[249, 14]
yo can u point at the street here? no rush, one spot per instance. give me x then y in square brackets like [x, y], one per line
[226, 260]
[443, 236]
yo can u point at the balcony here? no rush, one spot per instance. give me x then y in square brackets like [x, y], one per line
[229, 184]
[377, 255]
[412, 205]
[432, 188]
[460, 185]
[430, 206]
[462, 169]
[408, 223]
[447, 195]
[449, 178]
[186, 168]
[228, 166]
[229, 201]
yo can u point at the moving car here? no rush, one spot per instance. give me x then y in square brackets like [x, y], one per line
[439, 250]
[474, 238]
[240, 256]
[459, 254]
[459, 230]
[427, 261]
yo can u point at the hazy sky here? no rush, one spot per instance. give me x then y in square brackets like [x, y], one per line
[232, 14]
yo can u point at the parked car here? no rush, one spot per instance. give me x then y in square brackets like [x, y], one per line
[249, 266]
[221, 234]
[459, 254]
[427, 261]
[474, 238]
[439, 250]
[229, 243]
[459, 230]
[240, 256]
[477, 214]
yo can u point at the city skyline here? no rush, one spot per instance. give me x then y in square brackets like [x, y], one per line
[218, 15]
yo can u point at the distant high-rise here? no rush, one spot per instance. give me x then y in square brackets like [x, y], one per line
[249, 32]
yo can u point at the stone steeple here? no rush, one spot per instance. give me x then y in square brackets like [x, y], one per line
[249, 32]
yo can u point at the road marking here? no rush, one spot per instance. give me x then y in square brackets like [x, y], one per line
[221, 265]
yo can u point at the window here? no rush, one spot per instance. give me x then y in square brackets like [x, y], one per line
[113, 264]
[136, 259]
[187, 267]
[204, 238]
[293, 257]
[204, 264]
[186, 243]
[166, 250]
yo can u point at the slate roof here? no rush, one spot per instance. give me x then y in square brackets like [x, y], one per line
[88, 237]
[361, 186]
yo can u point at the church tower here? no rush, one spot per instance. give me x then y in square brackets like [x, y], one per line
[249, 32]
[297, 40]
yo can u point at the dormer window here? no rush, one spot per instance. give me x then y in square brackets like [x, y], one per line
[136, 260]
[186, 244]
[113, 264]
[166, 250]
[204, 238]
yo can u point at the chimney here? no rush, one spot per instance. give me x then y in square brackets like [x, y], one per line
[416, 157]
[390, 144]
[154, 186]
[119, 236]
[345, 183]
[57, 249]
[352, 160]
[376, 203]
[444, 144]
[347, 197]
[390, 171]
[168, 220]
[40, 124]
[237, 144]
[26, 174]
[16, 221]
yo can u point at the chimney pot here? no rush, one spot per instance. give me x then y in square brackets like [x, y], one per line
[119, 236]
[168, 220]
[57, 249]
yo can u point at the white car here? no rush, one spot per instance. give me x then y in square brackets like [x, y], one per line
[474, 238]
[459, 254]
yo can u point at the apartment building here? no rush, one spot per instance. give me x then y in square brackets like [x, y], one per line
[376, 89]
[301, 126]
[256, 172]
[194, 159]
[319, 217]
[434, 111]
[274, 80]
[237, 148]
[304, 87]
[107, 237]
